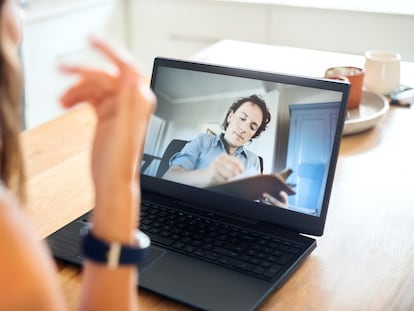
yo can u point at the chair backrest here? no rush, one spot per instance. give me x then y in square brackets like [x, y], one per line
[173, 147]
[261, 164]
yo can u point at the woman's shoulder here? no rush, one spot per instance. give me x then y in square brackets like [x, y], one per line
[7, 199]
[9, 206]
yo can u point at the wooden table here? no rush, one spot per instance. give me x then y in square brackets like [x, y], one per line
[364, 261]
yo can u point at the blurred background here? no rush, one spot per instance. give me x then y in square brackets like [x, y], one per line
[56, 31]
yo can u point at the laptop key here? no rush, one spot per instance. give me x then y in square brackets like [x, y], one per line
[242, 265]
[196, 243]
[159, 239]
[212, 256]
[189, 249]
[259, 270]
[200, 253]
[270, 273]
[284, 259]
[225, 252]
[178, 245]
[294, 250]
[224, 261]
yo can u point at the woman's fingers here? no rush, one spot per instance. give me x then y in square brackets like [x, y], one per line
[122, 91]
[91, 86]
[85, 74]
[81, 93]
[116, 56]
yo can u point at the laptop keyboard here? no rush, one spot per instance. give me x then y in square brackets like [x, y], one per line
[253, 253]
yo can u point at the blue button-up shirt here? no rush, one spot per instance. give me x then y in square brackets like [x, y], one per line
[204, 148]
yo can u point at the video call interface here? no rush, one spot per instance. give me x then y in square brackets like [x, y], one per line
[186, 134]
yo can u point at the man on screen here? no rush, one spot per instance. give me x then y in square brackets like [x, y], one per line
[208, 160]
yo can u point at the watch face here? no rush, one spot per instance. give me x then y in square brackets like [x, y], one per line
[143, 239]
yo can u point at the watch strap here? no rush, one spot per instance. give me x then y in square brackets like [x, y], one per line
[114, 254]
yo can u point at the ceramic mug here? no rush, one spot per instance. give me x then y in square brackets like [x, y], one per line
[355, 76]
[382, 71]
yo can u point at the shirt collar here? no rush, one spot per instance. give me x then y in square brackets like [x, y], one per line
[219, 141]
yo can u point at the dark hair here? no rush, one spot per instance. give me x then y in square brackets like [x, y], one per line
[255, 100]
[11, 159]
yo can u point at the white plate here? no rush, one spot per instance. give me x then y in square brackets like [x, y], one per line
[370, 111]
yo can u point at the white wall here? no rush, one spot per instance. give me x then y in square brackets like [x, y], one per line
[55, 32]
[179, 28]
[351, 32]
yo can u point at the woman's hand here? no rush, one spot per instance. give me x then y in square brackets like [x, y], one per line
[123, 103]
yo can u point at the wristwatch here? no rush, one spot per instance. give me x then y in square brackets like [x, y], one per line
[114, 254]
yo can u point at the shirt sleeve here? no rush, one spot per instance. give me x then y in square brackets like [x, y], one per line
[187, 158]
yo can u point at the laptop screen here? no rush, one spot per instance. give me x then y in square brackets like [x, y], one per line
[254, 144]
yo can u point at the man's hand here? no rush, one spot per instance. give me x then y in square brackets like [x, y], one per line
[223, 168]
[270, 200]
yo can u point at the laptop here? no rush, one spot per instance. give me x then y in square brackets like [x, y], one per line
[218, 250]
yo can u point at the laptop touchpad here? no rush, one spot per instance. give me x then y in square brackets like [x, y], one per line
[154, 254]
[194, 282]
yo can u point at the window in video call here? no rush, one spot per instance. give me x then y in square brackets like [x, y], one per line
[205, 120]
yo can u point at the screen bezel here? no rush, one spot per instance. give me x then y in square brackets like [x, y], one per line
[252, 211]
